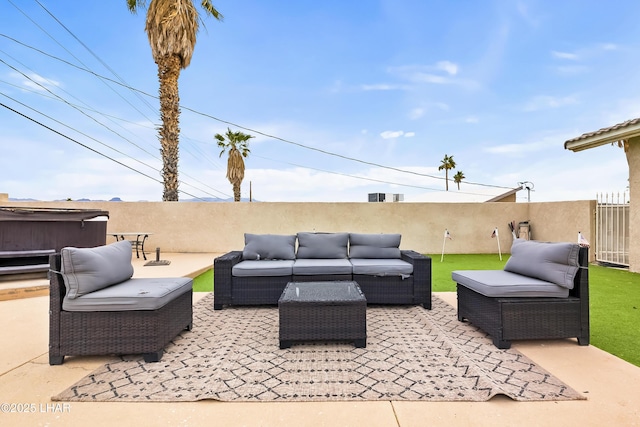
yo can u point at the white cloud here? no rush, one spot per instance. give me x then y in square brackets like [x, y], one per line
[586, 52]
[427, 73]
[608, 46]
[381, 86]
[541, 143]
[449, 67]
[565, 55]
[36, 82]
[572, 69]
[391, 134]
[544, 102]
[523, 11]
[428, 78]
[472, 119]
[416, 113]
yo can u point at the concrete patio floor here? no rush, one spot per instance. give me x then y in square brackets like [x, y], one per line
[611, 385]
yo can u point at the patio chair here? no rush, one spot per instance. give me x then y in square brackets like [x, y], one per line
[514, 307]
[131, 316]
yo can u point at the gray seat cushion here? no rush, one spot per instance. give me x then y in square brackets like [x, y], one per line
[381, 267]
[322, 245]
[131, 295]
[270, 268]
[374, 245]
[308, 267]
[269, 246]
[500, 283]
[552, 262]
[86, 270]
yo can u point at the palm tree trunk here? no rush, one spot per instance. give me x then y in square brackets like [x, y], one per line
[169, 130]
[236, 192]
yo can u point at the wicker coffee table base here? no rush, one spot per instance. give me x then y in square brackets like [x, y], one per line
[323, 320]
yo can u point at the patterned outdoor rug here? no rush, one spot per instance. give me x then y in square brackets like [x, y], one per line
[411, 354]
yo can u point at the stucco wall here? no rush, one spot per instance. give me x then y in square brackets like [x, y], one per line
[219, 227]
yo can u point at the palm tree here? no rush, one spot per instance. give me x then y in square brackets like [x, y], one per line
[447, 163]
[171, 27]
[458, 177]
[238, 146]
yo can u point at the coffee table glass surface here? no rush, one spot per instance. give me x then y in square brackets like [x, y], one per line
[322, 292]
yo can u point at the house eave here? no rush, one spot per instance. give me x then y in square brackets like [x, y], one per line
[601, 138]
[504, 195]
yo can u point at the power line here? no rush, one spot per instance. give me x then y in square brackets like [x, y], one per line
[77, 108]
[75, 57]
[325, 152]
[116, 150]
[121, 83]
[367, 179]
[92, 149]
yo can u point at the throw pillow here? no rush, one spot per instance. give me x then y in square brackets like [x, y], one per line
[322, 245]
[85, 270]
[380, 246]
[553, 262]
[269, 246]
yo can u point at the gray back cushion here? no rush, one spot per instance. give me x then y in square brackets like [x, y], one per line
[269, 246]
[322, 245]
[85, 270]
[554, 262]
[380, 246]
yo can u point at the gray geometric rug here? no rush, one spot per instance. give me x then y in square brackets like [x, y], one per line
[412, 354]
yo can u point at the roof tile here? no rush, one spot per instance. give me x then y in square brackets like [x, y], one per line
[605, 130]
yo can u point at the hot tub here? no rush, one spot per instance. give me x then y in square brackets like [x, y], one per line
[30, 228]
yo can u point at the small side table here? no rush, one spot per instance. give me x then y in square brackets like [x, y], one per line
[138, 243]
[311, 311]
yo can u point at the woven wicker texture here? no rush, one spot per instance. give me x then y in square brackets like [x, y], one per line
[507, 319]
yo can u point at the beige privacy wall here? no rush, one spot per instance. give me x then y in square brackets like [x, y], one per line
[220, 227]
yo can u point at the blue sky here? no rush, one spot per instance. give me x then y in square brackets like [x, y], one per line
[343, 98]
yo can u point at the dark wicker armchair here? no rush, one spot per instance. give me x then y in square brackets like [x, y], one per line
[144, 332]
[527, 318]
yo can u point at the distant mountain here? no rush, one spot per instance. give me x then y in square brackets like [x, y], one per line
[215, 199]
[118, 199]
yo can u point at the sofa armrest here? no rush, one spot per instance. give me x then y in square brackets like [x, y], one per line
[56, 294]
[222, 268]
[421, 276]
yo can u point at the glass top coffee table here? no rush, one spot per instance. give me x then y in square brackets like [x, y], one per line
[322, 311]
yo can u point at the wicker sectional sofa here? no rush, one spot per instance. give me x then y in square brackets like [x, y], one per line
[258, 274]
[96, 308]
[542, 293]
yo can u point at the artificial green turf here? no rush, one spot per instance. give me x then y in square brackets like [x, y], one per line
[203, 282]
[614, 297]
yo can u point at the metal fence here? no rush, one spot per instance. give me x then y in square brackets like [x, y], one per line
[612, 229]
